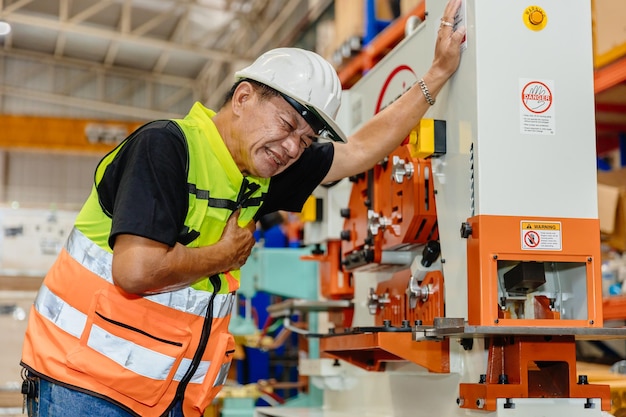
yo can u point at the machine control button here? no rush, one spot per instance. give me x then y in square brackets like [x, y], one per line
[466, 230]
[535, 17]
[430, 253]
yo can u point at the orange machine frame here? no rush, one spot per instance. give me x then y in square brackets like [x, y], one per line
[409, 206]
[391, 338]
[530, 367]
[498, 238]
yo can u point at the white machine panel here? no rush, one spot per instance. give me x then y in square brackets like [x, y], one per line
[519, 114]
[534, 135]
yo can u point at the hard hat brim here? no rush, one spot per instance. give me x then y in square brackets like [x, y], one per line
[334, 131]
[322, 128]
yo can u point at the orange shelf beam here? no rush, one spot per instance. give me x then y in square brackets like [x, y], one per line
[610, 75]
[62, 134]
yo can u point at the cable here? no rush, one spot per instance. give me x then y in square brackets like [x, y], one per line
[288, 326]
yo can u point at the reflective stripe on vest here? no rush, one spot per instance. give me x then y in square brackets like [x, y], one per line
[136, 358]
[187, 300]
[129, 355]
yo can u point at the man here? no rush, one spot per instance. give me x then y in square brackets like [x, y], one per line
[132, 319]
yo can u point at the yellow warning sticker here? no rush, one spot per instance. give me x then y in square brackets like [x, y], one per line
[541, 226]
[541, 235]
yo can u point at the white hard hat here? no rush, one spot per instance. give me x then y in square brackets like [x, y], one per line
[307, 81]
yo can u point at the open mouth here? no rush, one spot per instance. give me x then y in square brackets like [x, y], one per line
[275, 158]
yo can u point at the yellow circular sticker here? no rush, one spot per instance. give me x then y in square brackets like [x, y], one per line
[535, 18]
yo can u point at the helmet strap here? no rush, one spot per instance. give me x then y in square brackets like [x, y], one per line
[317, 124]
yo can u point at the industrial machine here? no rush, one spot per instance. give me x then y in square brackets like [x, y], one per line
[471, 254]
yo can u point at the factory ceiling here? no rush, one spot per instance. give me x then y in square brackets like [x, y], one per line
[144, 59]
[188, 47]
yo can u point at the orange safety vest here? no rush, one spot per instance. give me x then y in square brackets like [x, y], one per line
[143, 353]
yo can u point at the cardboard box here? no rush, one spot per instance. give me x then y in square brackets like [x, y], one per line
[602, 375]
[407, 6]
[609, 31]
[612, 207]
[325, 39]
[350, 19]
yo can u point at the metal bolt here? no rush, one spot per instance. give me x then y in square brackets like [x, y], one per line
[480, 403]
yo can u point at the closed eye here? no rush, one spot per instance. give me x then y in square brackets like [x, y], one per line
[307, 140]
[288, 126]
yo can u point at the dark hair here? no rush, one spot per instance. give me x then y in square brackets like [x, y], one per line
[264, 91]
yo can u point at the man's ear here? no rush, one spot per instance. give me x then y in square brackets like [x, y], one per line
[243, 93]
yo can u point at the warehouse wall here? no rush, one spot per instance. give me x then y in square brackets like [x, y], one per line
[36, 179]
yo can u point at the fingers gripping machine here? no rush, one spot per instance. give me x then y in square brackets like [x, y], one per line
[471, 254]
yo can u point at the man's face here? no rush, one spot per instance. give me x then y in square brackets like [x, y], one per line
[272, 136]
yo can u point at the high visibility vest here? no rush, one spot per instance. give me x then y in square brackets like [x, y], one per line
[144, 353]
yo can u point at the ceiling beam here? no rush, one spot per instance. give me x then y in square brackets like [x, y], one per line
[97, 32]
[90, 11]
[39, 58]
[154, 22]
[15, 6]
[126, 112]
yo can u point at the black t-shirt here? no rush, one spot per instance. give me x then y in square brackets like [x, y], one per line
[145, 188]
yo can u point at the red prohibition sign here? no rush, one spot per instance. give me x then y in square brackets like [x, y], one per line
[536, 97]
[531, 239]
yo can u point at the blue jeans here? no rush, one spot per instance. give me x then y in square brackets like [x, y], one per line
[52, 400]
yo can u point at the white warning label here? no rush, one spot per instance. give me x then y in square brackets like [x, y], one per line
[537, 107]
[541, 235]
